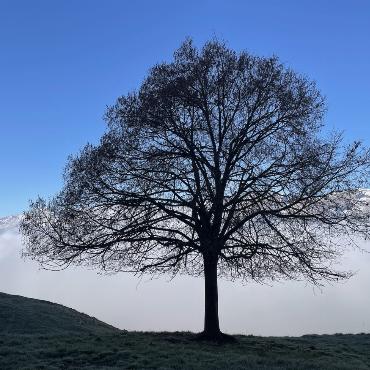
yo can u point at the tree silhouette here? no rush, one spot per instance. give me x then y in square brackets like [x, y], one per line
[216, 166]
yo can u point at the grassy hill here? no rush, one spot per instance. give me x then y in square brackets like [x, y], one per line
[20, 315]
[37, 334]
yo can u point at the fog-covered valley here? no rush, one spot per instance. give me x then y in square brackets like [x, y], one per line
[128, 302]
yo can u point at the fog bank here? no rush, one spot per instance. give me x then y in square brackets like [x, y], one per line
[125, 301]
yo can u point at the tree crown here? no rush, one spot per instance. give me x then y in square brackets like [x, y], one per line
[218, 155]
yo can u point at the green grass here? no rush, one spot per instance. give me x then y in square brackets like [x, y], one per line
[70, 340]
[20, 315]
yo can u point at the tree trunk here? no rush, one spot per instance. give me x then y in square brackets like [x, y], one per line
[211, 323]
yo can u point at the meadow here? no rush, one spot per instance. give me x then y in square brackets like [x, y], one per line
[42, 335]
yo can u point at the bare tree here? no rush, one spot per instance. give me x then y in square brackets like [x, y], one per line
[216, 166]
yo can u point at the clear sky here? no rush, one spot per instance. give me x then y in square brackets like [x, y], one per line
[62, 62]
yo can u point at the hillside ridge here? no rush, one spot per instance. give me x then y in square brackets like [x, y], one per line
[22, 315]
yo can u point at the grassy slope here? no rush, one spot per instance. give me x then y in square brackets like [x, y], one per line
[20, 315]
[41, 335]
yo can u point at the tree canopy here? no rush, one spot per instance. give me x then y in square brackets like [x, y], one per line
[216, 165]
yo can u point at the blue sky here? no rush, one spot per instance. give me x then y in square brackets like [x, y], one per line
[63, 62]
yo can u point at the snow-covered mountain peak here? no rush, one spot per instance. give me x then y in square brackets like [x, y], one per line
[10, 223]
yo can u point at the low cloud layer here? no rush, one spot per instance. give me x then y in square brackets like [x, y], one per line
[125, 301]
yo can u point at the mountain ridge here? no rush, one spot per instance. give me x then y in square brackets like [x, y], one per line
[11, 221]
